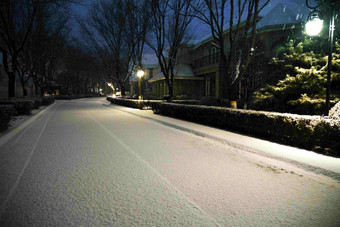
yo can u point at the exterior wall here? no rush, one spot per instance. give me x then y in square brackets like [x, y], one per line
[192, 88]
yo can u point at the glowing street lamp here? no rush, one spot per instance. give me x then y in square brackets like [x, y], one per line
[313, 27]
[140, 74]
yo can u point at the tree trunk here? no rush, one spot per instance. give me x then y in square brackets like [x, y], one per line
[171, 92]
[36, 88]
[11, 85]
[122, 89]
[24, 90]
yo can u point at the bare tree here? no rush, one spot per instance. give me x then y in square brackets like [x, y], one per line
[42, 54]
[169, 27]
[240, 36]
[17, 22]
[115, 30]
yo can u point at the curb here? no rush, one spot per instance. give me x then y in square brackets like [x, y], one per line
[16, 130]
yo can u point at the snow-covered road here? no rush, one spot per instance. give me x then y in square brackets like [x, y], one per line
[89, 163]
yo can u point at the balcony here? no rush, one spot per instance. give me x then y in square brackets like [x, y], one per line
[207, 60]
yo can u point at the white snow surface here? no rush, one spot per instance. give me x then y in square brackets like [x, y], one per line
[90, 163]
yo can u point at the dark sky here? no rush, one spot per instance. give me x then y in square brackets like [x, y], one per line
[200, 30]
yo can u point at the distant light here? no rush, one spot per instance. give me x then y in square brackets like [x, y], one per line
[140, 73]
[314, 26]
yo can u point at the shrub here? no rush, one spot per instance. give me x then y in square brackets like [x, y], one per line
[47, 100]
[138, 104]
[24, 107]
[334, 113]
[4, 120]
[298, 130]
[210, 101]
[188, 102]
[37, 103]
[8, 109]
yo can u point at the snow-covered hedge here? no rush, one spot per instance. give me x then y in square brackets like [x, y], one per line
[22, 106]
[139, 104]
[146, 104]
[78, 96]
[4, 119]
[47, 100]
[8, 109]
[310, 132]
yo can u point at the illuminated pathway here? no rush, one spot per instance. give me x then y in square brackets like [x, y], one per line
[89, 163]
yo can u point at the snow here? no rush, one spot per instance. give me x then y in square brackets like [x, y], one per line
[115, 166]
[334, 112]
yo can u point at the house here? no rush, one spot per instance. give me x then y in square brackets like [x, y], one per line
[275, 28]
[197, 70]
[186, 84]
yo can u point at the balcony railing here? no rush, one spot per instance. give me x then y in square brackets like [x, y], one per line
[207, 60]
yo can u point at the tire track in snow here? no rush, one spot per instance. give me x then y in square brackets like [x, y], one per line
[28, 160]
[128, 148]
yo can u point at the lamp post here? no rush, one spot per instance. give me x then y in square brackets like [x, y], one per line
[313, 27]
[140, 74]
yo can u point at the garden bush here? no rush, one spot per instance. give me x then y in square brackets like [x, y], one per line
[47, 100]
[4, 120]
[138, 104]
[76, 96]
[334, 113]
[210, 101]
[321, 135]
[22, 106]
[8, 109]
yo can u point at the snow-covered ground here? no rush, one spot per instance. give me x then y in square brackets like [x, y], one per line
[89, 163]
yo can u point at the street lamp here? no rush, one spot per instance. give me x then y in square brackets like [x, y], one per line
[140, 74]
[313, 27]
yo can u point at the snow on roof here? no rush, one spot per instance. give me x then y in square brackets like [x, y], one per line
[276, 13]
[282, 14]
[180, 70]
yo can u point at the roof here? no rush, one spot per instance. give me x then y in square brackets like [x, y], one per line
[181, 71]
[277, 15]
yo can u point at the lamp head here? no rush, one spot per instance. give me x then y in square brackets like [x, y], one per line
[140, 73]
[314, 25]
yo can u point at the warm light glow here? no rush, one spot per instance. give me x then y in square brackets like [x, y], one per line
[314, 26]
[140, 73]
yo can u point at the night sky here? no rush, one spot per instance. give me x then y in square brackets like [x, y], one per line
[200, 30]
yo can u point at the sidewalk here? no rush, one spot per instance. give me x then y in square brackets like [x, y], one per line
[303, 158]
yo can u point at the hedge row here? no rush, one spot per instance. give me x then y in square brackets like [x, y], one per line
[321, 135]
[146, 104]
[10, 108]
[80, 96]
[138, 104]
